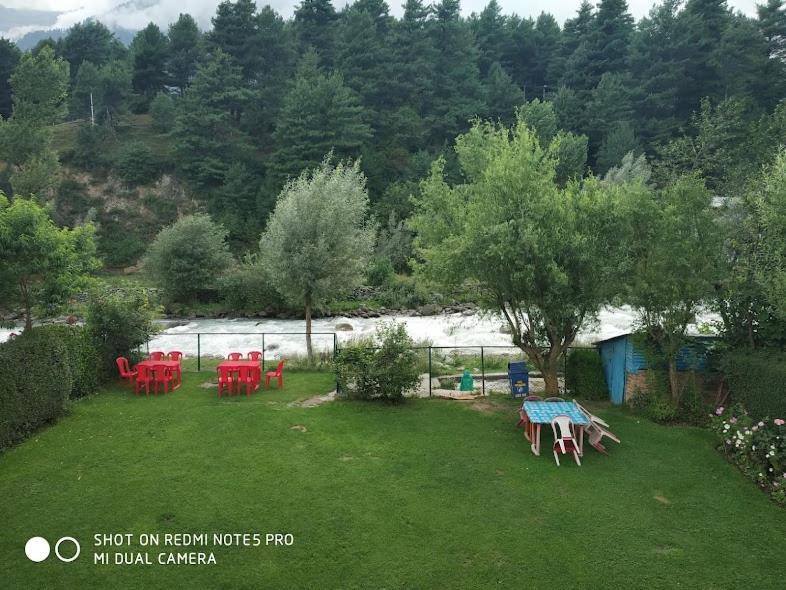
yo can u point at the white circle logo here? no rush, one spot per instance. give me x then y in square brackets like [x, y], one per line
[37, 549]
[57, 549]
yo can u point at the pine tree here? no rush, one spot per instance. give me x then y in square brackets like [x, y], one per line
[207, 138]
[772, 23]
[657, 64]
[235, 33]
[185, 51]
[502, 95]
[9, 57]
[314, 25]
[319, 114]
[149, 49]
[547, 39]
[491, 32]
[458, 93]
[575, 32]
[90, 41]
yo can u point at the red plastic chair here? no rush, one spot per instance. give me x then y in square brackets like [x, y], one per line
[277, 374]
[225, 380]
[125, 371]
[234, 356]
[255, 355]
[247, 377]
[156, 355]
[176, 355]
[164, 376]
[144, 377]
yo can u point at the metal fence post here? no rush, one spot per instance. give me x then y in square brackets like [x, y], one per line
[199, 352]
[483, 371]
[263, 351]
[429, 371]
[335, 352]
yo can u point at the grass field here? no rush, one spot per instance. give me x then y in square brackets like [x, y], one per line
[430, 494]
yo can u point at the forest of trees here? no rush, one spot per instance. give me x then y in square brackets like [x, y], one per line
[258, 98]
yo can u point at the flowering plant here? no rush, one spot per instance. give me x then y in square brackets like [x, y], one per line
[757, 447]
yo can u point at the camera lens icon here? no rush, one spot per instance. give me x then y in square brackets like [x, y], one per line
[37, 549]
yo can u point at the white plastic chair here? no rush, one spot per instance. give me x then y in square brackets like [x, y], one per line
[564, 440]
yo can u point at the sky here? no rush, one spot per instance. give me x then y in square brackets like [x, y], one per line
[135, 14]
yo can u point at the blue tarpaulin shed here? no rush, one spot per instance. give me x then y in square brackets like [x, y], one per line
[621, 359]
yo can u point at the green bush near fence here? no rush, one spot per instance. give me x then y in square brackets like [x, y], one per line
[35, 383]
[756, 380]
[584, 375]
[118, 322]
[385, 370]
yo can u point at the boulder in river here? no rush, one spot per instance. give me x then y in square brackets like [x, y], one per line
[344, 327]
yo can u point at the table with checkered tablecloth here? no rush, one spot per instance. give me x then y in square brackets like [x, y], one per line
[540, 412]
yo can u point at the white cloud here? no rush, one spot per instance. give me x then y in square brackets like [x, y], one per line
[135, 14]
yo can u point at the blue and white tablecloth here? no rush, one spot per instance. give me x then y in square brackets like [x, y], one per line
[545, 412]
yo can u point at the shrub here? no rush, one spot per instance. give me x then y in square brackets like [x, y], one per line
[584, 375]
[35, 382]
[186, 258]
[248, 287]
[118, 323]
[655, 405]
[162, 111]
[81, 356]
[380, 271]
[137, 164]
[756, 380]
[385, 371]
[757, 447]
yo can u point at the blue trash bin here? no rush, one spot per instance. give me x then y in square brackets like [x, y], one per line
[518, 377]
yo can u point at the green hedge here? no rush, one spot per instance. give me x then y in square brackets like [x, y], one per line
[35, 383]
[757, 380]
[584, 375]
[81, 355]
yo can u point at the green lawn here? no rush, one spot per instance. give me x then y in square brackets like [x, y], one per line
[431, 494]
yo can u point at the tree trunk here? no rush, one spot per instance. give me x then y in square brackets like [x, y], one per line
[551, 379]
[27, 306]
[309, 348]
[673, 382]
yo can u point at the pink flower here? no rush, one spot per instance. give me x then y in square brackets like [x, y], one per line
[779, 422]
[732, 420]
[719, 411]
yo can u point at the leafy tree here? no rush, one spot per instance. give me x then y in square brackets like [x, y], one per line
[38, 176]
[186, 258]
[149, 49]
[320, 237]
[718, 147]
[488, 231]
[318, 115]
[185, 51]
[9, 58]
[40, 88]
[40, 264]
[119, 321]
[676, 264]
[771, 211]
